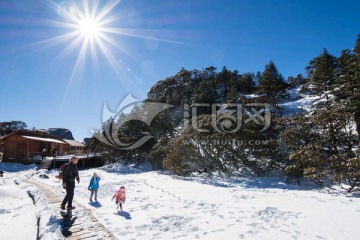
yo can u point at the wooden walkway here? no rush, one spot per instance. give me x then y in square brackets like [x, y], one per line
[45, 164]
[77, 224]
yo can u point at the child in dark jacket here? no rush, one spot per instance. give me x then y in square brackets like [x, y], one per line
[120, 197]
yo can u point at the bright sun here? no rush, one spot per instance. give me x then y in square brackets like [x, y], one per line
[88, 22]
[89, 28]
[92, 32]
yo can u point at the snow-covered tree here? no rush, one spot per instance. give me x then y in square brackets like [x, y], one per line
[322, 72]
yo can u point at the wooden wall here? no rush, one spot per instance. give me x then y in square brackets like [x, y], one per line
[10, 148]
[19, 149]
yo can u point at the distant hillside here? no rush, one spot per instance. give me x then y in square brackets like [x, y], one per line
[248, 124]
[61, 133]
[206, 86]
[86, 140]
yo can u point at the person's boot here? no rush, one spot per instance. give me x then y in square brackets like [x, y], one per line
[70, 208]
[62, 207]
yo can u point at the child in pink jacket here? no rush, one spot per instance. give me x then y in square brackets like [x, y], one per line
[120, 197]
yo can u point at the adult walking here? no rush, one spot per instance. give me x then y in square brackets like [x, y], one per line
[94, 186]
[70, 173]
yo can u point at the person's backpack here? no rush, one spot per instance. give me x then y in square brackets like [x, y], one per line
[61, 171]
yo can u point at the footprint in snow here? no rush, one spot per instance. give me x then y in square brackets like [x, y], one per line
[180, 236]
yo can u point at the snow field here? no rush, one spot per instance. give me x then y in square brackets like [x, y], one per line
[161, 206]
[21, 205]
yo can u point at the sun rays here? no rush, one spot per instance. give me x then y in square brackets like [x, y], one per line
[93, 36]
[85, 21]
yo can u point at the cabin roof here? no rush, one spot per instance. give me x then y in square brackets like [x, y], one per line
[35, 135]
[43, 139]
[74, 143]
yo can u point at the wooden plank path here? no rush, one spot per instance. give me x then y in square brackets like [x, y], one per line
[45, 164]
[77, 224]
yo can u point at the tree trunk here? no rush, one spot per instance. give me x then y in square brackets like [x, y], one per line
[357, 121]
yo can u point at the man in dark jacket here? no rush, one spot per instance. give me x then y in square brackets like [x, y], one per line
[70, 173]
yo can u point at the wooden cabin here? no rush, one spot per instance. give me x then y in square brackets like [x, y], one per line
[74, 147]
[26, 146]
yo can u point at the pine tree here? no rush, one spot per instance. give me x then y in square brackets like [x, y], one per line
[296, 81]
[245, 83]
[322, 72]
[345, 81]
[272, 84]
[223, 80]
[231, 94]
[347, 90]
[354, 100]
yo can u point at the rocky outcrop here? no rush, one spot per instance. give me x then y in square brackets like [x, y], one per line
[61, 133]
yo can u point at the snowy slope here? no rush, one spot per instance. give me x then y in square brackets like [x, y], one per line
[24, 213]
[299, 102]
[161, 206]
[11, 201]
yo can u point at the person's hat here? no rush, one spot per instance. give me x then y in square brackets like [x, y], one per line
[73, 157]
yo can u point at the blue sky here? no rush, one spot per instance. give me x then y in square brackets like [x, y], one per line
[45, 83]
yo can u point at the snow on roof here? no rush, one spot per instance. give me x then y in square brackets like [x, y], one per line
[74, 143]
[43, 139]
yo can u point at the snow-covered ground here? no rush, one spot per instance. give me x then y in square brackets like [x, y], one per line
[298, 102]
[161, 206]
[24, 213]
